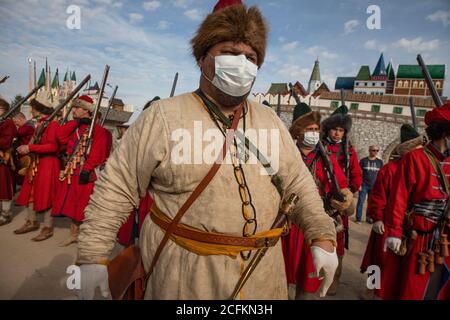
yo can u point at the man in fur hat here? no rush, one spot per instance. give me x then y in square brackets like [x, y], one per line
[376, 207]
[238, 204]
[305, 130]
[79, 175]
[419, 220]
[39, 188]
[336, 131]
[8, 132]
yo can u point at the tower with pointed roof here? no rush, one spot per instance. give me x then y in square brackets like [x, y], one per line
[315, 80]
[390, 78]
[375, 83]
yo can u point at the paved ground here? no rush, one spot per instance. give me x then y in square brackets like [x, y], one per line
[30, 270]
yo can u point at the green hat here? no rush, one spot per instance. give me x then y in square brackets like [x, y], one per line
[342, 110]
[407, 132]
[300, 110]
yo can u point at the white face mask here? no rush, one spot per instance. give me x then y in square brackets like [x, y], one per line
[311, 139]
[234, 75]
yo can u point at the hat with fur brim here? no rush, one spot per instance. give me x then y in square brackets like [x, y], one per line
[409, 140]
[338, 119]
[4, 105]
[85, 102]
[232, 21]
[303, 117]
[41, 106]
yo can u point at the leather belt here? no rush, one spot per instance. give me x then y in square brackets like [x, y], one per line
[210, 237]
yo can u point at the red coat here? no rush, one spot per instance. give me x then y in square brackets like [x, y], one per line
[415, 182]
[73, 198]
[42, 189]
[8, 132]
[376, 210]
[297, 253]
[126, 231]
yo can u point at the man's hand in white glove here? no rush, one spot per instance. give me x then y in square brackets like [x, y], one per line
[393, 244]
[326, 264]
[93, 276]
[378, 227]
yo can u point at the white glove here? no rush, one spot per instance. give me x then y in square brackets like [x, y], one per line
[378, 227]
[326, 264]
[93, 276]
[393, 244]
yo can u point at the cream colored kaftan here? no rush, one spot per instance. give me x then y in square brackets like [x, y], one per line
[144, 161]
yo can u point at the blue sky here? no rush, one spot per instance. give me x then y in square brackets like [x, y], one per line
[147, 42]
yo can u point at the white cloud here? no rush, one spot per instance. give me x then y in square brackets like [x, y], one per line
[374, 45]
[151, 5]
[194, 14]
[440, 16]
[135, 17]
[181, 3]
[418, 45]
[294, 72]
[289, 46]
[350, 26]
[163, 25]
[321, 52]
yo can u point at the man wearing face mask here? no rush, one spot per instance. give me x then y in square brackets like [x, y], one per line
[419, 224]
[336, 131]
[305, 130]
[232, 212]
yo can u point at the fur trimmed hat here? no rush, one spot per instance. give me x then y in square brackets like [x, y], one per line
[232, 21]
[441, 114]
[409, 140]
[85, 102]
[42, 105]
[339, 118]
[303, 117]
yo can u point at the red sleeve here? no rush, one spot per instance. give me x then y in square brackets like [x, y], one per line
[403, 184]
[25, 133]
[8, 131]
[51, 145]
[109, 142]
[97, 155]
[65, 132]
[355, 171]
[378, 196]
[339, 173]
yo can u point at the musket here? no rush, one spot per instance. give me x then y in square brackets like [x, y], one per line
[413, 112]
[94, 116]
[280, 221]
[335, 190]
[174, 85]
[293, 93]
[434, 94]
[19, 103]
[342, 97]
[109, 106]
[4, 79]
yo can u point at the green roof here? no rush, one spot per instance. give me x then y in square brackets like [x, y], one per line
[278, 88]
[55, 82]
[74, 78]
[415, 72]
[390, 71]
[41, 80]
[364, 73]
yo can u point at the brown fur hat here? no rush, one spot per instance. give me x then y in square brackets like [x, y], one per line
[232, 23]
[41, 107]
[303, 121]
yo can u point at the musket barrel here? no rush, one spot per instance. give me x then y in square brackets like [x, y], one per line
[413, 112]
[19, 103]
[99, 101]
[174, 85]
[434, 94]
[109, 105]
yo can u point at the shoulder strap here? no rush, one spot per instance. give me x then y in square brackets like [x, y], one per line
[275, 179]
[202, 186]
[437, 167]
